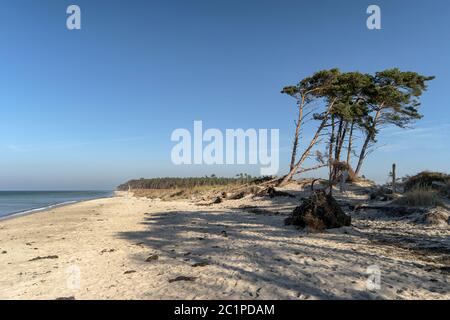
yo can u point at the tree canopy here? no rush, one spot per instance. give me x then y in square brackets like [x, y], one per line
[355, 100]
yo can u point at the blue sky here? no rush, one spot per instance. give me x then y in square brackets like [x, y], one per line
[91, 108]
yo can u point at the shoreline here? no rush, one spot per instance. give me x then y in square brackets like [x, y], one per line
[27, 212]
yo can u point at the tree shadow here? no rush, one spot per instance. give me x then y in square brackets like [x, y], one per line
[271, 259]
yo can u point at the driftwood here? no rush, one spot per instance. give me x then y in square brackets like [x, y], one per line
[257, 210]
[265, 189]
[272, 192]
[392, 210]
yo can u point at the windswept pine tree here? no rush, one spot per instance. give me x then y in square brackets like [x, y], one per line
[393, 99]
[317, 88]
[350, 102]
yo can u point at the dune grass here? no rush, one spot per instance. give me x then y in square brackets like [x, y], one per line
[425, 180]
[181, 193]
[420, 197]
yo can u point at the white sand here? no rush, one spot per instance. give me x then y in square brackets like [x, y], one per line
[248, 256]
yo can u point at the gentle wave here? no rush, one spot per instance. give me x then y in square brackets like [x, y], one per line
[28, 202]
[16, 214]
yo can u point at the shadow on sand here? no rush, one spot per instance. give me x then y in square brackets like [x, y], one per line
[271, 258]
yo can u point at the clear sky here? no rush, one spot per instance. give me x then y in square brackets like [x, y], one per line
[91, 108]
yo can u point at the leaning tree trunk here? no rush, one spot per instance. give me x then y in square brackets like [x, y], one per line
[306, 153]
[349, 149]
[341, 141]
[330, 155]
[297, 132]
[362, 154]
[304, 156]
[338, 139]
[369, 137]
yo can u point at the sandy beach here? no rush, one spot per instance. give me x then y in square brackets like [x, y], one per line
[137, 248]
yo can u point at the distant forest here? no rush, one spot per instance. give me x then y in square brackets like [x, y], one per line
[175, 183]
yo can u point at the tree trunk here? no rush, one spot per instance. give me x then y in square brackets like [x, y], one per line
[369, 136]
[338, 139]
[349, 149]
[330, 155]
[341, 142]
[305, 154]
[297, 132]
[313, 168]
[362, 154]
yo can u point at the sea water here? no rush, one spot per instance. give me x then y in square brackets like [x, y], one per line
[24, 202]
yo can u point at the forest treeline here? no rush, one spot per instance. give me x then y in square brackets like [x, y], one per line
[190, 182]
